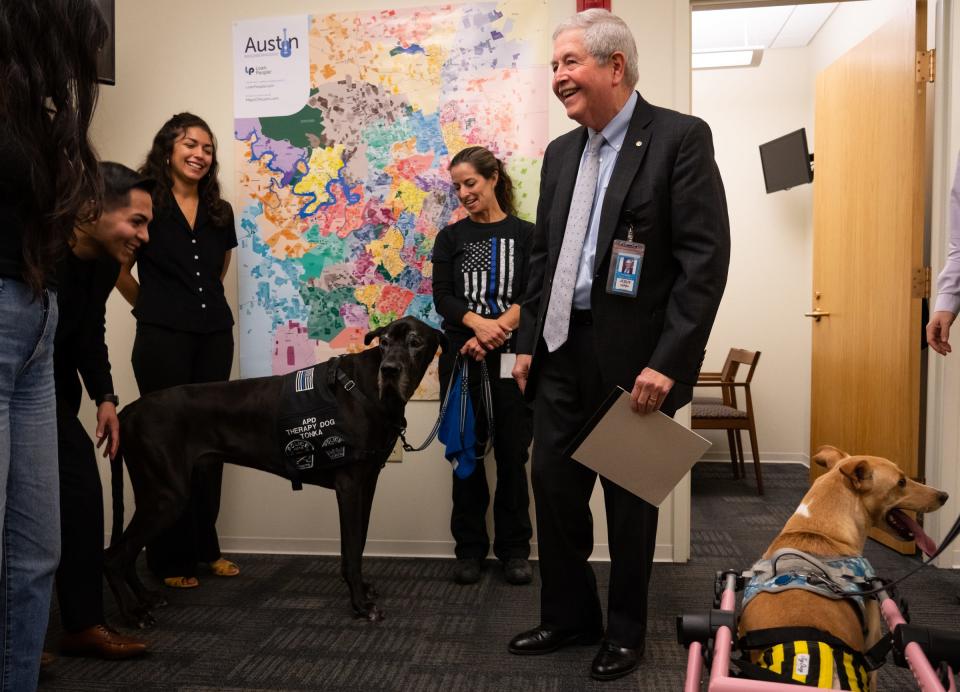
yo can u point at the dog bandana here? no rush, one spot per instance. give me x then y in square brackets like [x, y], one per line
[308, 430]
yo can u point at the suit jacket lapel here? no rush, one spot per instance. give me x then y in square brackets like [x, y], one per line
[563, 196]
[628, 164]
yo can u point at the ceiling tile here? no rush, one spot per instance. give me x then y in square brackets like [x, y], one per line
[754, 27]
[803, 25]
[784, 26]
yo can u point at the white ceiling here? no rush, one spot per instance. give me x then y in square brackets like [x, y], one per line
[784, 26]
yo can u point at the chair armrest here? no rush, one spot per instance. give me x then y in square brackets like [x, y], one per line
[722, 383]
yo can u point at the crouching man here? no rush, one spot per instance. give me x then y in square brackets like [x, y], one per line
[85, 277]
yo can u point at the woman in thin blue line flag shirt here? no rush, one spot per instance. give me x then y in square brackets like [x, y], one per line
[479, 272]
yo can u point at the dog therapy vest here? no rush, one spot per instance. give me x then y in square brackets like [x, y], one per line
[309, 427]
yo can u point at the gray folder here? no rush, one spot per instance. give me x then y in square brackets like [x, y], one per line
[645, 454]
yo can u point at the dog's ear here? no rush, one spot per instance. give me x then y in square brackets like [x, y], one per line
[828, 456]
[859, 473]
[370, 336]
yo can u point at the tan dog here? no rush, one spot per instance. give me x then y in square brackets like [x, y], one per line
[855, 495]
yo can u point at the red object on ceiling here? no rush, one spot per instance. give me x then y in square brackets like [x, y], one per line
[590, 4]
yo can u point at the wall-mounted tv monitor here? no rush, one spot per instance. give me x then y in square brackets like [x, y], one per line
[786, 161]
[107, 63]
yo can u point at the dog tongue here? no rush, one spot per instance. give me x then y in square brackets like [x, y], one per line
[923, 541]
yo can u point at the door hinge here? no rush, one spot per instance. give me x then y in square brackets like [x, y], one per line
[926, 65]
[920, 285]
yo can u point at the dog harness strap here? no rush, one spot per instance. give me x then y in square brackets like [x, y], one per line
[837, 578]
[876, 655]
[336, 375]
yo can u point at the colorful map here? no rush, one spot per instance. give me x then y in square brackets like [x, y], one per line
[339, 203]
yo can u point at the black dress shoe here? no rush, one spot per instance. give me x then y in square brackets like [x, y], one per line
[613, 661]
[517, 571]
[542, 640]
[467, 570]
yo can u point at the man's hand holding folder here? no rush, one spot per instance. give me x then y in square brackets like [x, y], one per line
[647, 455]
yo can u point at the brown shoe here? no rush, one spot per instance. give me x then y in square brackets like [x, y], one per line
[101, 641]
[47, 658]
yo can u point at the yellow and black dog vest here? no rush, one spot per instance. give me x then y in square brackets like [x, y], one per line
[815, 664]
[803, 656]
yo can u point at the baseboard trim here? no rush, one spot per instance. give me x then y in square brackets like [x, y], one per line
[723, 455]
[385, 548]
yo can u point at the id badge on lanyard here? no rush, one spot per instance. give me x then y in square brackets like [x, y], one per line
[626, 261]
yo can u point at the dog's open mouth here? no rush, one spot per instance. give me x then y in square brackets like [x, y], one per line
[909, 530]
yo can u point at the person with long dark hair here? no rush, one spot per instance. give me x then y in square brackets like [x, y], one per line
[479, 275]
[184, 324]
[48, 176]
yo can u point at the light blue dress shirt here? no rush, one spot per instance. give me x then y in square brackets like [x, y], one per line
[614, 134]
[948, 283]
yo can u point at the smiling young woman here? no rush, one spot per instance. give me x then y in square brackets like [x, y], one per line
[184, 324]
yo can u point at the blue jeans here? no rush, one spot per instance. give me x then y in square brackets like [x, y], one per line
[29, 489]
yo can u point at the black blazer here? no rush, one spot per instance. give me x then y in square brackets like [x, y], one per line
[666, 183]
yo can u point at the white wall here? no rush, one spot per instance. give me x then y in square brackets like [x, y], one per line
[849, 24]
[176, 55]
[768, 287]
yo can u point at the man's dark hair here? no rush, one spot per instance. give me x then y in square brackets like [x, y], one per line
[118, 180]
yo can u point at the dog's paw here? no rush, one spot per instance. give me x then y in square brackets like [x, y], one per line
[154, 599]
[142, 620]
[369, 612]
[370, 592]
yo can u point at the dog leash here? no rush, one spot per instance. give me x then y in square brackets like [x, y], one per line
[947, 540]
[460, 365]
[407, 447]
[486, 397]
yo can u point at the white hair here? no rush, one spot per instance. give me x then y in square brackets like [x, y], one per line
[603, 35]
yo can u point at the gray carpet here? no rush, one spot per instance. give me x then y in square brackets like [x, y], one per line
[285, 623]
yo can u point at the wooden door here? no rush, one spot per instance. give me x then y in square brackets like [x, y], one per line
[868, 218]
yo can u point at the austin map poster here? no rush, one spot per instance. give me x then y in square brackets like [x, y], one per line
[345, 124]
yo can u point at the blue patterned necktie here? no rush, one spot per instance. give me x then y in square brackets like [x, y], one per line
[556, 325]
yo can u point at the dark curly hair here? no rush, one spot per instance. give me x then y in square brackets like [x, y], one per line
[48, 73]
[157, 166]
[486, 164]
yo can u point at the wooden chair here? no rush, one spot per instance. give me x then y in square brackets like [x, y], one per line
[724, 412]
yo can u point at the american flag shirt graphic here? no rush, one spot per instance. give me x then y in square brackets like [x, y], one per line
[479, 268]
[488, 272]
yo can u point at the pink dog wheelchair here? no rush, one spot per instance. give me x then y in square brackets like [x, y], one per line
[932, 655]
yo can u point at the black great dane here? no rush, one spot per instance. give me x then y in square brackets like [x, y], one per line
[252, 423]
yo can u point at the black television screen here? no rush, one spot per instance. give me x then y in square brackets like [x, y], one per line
[786, 161]
[107, 63]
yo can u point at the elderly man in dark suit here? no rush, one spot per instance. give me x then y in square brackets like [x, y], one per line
[635, 181]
